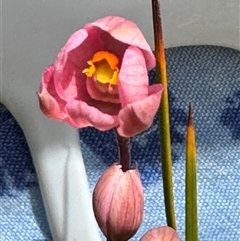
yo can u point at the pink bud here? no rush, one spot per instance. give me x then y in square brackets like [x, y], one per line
[161, 234]
[118, 201]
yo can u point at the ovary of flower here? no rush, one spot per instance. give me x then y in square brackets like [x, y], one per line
[103, 67]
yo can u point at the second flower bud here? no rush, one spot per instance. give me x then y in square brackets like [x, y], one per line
[118, 203]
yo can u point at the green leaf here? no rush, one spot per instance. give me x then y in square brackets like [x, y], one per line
[164, 125]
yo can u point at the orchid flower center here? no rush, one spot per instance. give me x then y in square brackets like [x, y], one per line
[103, 67]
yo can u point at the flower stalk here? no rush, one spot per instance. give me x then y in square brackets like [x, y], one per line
[124, 151]
[191, 182]
[163, 113]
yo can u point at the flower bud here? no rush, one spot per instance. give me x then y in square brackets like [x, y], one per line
[161, 234]
[118, 201]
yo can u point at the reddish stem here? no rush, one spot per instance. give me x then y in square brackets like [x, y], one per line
[124, 151]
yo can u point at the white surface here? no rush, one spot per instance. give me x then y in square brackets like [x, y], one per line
[32, 34]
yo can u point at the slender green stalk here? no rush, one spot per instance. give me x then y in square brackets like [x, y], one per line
[191, 183]
[164, 125]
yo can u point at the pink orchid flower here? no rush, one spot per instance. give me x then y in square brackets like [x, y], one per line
[100, 79]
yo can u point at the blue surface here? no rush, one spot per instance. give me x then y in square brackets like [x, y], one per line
[207, 76]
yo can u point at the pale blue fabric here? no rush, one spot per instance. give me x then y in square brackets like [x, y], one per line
[207, 76]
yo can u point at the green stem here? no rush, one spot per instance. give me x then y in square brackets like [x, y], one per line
[191, 183]
[164, 125]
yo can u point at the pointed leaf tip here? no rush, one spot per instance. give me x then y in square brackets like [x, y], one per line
[190, 115]
[158, 32]
[156, 12]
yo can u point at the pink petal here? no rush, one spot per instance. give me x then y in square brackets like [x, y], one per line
[106, 107]
[161, 233]
[50, 103]
[127, 32]
[138, 116]
[81, 115]
[133, 77]
[109, 43]
[98, 95]
[69, 80]
[101, 210]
